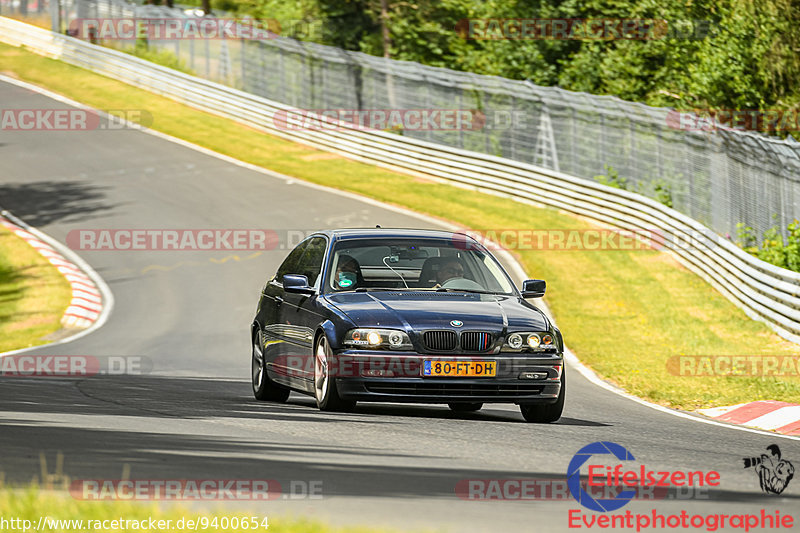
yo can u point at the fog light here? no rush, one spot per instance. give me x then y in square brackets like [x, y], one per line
[373, 337]
[377, 373]
[395, 339]
[533, 341]
[532, 375]
[515, 341]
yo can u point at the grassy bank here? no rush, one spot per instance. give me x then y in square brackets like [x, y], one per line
[623, 312]
[33, 294]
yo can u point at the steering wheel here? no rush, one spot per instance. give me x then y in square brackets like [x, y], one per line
[462, 283]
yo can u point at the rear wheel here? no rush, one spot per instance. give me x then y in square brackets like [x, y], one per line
[465, 407]
[549, 412]
[264, 389]
[327, 395]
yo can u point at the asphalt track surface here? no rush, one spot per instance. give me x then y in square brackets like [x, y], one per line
[194, 416]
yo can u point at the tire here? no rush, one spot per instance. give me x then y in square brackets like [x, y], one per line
[325, 391]
[549, 412]
[264, 389]
[465, 407]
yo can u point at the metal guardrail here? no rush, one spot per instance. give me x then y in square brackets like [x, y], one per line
[704, 169]
[765, 292]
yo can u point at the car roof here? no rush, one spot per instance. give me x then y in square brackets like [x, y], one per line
[390, 233]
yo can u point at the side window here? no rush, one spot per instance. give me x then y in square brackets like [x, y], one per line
[292, 262]
[311, 263]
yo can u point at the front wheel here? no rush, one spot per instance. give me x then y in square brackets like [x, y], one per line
[325, 390]
[264, 389]
[549, 412]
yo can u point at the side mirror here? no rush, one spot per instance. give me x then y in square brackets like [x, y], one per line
[533, 288]
[296, 283]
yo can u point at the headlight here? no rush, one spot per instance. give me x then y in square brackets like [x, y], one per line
[533, 340]
[377, 339]
[528, 341]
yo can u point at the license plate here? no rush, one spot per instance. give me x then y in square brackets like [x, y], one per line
[464, 369]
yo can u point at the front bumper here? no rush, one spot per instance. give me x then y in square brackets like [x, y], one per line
[397, 377]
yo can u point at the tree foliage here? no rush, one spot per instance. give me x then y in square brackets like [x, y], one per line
[738, 54]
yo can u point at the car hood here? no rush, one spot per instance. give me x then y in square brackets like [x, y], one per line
[422, 310]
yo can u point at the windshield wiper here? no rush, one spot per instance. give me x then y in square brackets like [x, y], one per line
[476, 291]
[440, 289]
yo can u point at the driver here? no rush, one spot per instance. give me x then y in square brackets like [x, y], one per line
[347, 272]
[452, 269]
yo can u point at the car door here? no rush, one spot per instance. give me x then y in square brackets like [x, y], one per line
[274, 334]
[300, 314]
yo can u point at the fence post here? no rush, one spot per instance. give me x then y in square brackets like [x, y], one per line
[244, 70]
[55, 15]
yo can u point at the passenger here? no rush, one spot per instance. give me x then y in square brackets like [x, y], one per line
[348, 273]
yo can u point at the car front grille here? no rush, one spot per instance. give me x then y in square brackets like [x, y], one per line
[440, 340]
[445, 341]
[453, 389]
[476, 341]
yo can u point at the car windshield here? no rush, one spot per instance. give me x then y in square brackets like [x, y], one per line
[419, 264]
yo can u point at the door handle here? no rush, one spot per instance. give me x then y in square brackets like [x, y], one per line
[278, 300]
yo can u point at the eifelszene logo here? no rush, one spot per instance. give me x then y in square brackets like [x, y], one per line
[624, 480]
[774, 473]
[612, 468]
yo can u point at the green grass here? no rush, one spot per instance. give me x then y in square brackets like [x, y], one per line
[624, 313]
[33, 294]
[162, 57]
[31, 504]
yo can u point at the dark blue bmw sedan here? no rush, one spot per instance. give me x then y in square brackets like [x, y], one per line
[398, 315]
